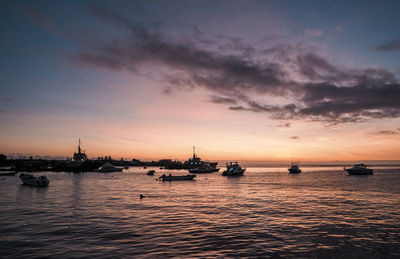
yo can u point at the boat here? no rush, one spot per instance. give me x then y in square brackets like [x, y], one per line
[359, 169]
[29, 179]
[233, 169]
[8, 174]
[177, 177]
[80, 156]
[151, 172]
[192, 163]
[294, 168]
[203, 169]
[109, 168]
[126, 167]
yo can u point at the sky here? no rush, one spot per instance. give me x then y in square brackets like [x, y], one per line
[240, 80]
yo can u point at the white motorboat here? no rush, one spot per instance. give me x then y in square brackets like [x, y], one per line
[109, 168]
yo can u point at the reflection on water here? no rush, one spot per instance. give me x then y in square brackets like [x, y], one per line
[322, 212]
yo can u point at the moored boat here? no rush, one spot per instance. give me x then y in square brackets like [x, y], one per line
[29, 179]
[294, 168]
[204, 169]
[177, 177]
[151, 172]
[233, 169]
[109, 168]
[359, 169]
[192, 163]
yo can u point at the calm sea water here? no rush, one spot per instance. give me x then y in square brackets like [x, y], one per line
[322, 212]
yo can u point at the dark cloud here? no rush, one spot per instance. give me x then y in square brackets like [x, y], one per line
[35, 16]
[285, 125]
[315, 89]
[223, 100]
[7, 100]
[392, 45]
[386, 132]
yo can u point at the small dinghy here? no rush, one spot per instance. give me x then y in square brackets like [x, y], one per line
[177, 178]
[151, 172]
[29, 179]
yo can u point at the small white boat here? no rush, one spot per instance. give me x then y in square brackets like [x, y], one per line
[109, 168]
[359, 169]
[294, 168]
[29, 179]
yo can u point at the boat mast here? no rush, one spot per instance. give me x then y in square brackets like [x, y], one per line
[79, 146]
[194, 152]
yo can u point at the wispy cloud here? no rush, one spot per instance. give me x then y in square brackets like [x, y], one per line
[223, 100]
[386, 132]
[7, 100]
[314, 32]
[316, 89]
[285, 125]
[393, 45]
[294, 137]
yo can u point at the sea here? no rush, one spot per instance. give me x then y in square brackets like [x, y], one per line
[320, 213]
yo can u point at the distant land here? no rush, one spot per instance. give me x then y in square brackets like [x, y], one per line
[222, 162]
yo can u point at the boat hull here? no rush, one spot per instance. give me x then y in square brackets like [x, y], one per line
[177, 178]
[203, 171]
[30, 180]
[360, 172]
[294, 171]
[236, 173]
[111, 170]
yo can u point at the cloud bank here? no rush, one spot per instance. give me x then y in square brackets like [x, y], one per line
[235, 73]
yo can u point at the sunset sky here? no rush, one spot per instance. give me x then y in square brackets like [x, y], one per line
[249, 80]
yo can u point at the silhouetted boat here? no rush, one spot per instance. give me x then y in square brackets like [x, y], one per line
[203, 169]
[192, 163]
[177, 178]
[151, 172]
[8, 174]
[80, 156]
[359, 169]
[294, 168]
[29, 179]
[109, 168]
[233, 169]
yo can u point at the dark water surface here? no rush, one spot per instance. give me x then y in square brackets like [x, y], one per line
[322, 212]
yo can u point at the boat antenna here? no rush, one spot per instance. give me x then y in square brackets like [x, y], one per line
[194, 152]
